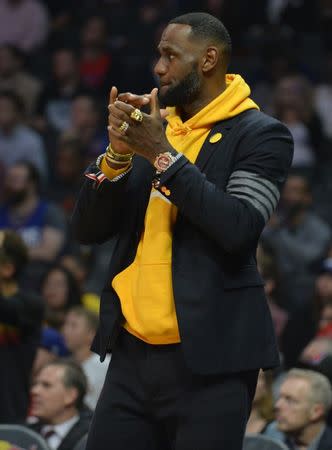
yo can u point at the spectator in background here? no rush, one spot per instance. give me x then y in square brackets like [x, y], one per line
[262, 407]
[14, 78]
[87, 127]
[54, 104]
[96, 65]
[323, 98]
[268, 268]
[299, 239]
[68, 168]
[23, 23]
[21, 315]
[310, 320]
[293, 105]
[51, 347]
[60, 292]
[17, 141]
[57, 400]
[304, 401]
[40, 223]
[79, 330]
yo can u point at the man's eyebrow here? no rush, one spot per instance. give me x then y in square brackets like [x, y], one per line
[167, 48]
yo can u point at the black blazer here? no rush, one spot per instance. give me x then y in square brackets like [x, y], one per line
[224, 321]
[79, 430]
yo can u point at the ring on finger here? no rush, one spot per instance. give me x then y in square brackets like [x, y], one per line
[124, 127]
[137, 115]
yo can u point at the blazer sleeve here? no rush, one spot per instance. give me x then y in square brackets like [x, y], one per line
[235, 217]
[101, 206]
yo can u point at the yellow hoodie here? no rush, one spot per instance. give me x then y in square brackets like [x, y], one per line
[145, 287]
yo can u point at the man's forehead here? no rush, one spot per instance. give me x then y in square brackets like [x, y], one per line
[175, 35]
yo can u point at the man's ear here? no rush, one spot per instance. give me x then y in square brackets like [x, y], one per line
[7, 270]
[210, 59]
[317, 411]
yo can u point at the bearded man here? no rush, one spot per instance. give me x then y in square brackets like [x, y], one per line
[183, 310]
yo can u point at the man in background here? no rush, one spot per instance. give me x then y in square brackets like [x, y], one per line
[21, 316]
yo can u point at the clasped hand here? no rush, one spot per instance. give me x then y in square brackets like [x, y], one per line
[147, 137]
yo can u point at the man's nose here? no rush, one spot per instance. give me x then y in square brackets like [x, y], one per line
[160, 68]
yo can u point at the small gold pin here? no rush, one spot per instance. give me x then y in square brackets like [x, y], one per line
[215, 138]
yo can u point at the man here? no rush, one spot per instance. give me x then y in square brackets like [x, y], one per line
[18, 141]
[57, 399]
[299, 238]
[304, 401]
[21, 315]
[14, 77]
[184, 310]
[79, 329]
[40, 223]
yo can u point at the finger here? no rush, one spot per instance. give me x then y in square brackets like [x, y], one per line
[116, 123]
[135, 100]
[118, 113]
[154, 104]
[125, 107]
[163, 113]
[116, 134]
[113, 95]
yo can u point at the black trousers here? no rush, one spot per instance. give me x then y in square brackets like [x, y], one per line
[151, 401]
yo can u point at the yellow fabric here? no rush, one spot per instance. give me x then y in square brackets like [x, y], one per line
[145, 287]
[109, 172]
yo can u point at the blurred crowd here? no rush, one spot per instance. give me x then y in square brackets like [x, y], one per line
[58, 61]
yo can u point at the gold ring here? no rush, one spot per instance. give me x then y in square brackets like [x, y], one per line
[137, 115]
[124, 127]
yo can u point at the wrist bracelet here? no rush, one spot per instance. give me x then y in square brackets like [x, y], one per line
[120, 157]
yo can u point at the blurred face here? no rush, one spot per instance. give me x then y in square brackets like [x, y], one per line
[50, 398]
[55, 289]
[94, 32]
[83, 114]
[293, 409]
[326, 316]
[76, 332]
[324, 286]
[17, 185]
[8, 114]
[295, 195]
[177, 66]
[64, 65]
[68, 164]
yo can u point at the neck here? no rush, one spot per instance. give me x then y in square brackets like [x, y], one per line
[8, 288]
[63, 416]
[206, 97]
[304, 438]
[82, 354]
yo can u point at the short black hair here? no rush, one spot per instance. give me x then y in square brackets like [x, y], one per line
[73, 377]
[207, 27]
[13, 250]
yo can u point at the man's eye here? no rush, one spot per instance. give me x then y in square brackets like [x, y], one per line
[171, 56]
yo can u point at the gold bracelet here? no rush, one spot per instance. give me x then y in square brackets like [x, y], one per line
[121, 157]
[115, 162]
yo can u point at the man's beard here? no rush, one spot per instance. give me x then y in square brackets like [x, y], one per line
[184, 92]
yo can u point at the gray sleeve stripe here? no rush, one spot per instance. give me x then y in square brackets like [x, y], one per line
[257, 205]
[257, 195]
[255, 183]
[253, 176]
[234, 186]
